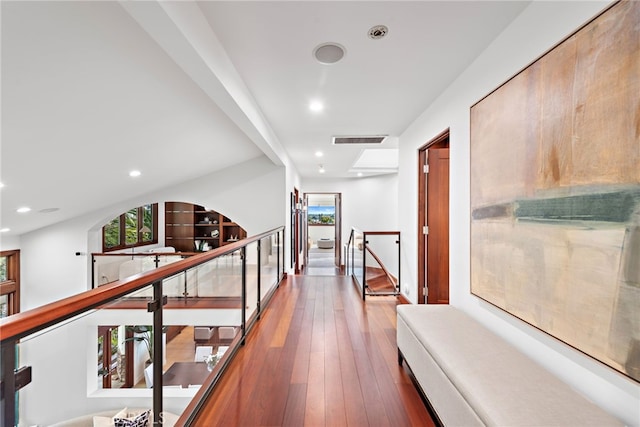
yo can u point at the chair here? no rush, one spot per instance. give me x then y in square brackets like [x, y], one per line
[148, 376]
[202, 334]
[202, 351]
[226, 334]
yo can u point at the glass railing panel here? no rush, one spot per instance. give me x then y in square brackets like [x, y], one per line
[357, 257]
[282, 257]
[91, 363]
[251, 281]
[382, 263]
[108, 268]
[268, 265]
[220, 277]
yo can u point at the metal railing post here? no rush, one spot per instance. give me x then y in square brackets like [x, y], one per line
[243, 257]
[8, 407]
[155, 307]
[278, 256]
[258, 310]
[399, 266]
[364, 266]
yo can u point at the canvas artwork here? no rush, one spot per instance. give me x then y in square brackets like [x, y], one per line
[555, 191]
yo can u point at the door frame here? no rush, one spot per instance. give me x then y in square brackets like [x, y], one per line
[439, 141]
[297, 231]
[337, 232]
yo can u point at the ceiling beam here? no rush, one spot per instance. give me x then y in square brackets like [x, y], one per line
[183, 32]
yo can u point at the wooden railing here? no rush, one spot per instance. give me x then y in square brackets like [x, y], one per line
[16, 327]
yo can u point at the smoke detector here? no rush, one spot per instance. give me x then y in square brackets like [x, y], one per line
[378, 31]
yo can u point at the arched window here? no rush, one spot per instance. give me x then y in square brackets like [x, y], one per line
[136, 227]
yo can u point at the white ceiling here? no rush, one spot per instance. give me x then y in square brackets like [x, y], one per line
[91, 90]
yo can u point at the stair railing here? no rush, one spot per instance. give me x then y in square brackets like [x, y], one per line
[373, 261]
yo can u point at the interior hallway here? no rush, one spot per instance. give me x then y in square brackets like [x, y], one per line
[321, 262]
[319, 356]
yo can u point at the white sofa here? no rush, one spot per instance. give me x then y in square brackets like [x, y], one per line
[472, 377]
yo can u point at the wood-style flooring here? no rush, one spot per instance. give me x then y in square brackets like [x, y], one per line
[319, 356]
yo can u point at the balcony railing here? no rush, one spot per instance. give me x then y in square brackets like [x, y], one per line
[373, 260]
[88, 353]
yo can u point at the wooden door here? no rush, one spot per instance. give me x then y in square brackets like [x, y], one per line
[437, 232]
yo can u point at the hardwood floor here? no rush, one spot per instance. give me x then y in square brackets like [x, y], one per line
[319, 356]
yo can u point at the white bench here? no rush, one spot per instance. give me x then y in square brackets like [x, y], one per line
[472, 377]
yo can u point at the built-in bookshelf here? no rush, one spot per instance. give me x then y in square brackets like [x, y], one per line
[190, 228]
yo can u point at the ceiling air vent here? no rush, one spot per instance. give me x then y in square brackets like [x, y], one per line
[355, 140]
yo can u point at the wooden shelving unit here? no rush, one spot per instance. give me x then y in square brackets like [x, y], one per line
[186, 223]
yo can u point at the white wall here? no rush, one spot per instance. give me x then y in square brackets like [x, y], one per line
[513, 50]
[321, 232]
[369, 204]
[51, 270]
[9, 242]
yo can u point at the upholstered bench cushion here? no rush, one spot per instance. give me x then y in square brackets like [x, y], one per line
[502, 385]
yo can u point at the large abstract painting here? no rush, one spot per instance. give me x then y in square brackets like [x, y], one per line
[555, 191]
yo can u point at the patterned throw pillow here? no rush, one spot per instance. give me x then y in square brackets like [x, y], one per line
[140, 420]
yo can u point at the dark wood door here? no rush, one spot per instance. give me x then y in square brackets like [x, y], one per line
[437, 236]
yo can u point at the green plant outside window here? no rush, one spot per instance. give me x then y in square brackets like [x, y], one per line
[3, 269]
[136, 227]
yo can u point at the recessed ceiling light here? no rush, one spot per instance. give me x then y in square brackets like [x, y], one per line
[328, 53]
[316, 106]
[4, 230]
[23, 209]
[135, 173]
[321, 170]
[359, 173]
[319, 154]
[1, 185]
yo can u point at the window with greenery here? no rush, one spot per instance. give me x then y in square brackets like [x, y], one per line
[9, 283]
[136, 227]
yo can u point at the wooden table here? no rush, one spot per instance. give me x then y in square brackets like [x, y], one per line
[185, 373]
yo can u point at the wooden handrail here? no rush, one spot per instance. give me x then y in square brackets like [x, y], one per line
[25, 323]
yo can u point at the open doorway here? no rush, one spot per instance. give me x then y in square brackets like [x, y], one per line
[322, 250]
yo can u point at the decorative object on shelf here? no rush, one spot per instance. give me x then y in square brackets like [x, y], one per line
[211, 361]
[201, 245]
[215, 233]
